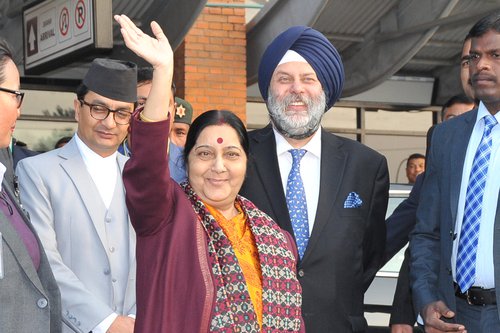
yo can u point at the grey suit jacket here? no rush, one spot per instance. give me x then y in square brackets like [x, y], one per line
[29, 300]
[346, 246]
[69, 216]
[431, 242]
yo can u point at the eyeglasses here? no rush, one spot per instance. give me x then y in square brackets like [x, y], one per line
[101, 112]
[19, 95]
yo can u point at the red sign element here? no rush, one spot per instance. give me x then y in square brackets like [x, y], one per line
[80, 11]
[64, 21]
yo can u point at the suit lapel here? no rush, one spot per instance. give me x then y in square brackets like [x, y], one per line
[333, 163]
[267, 169]
[16, 245]
[75, 168]
[460, 141]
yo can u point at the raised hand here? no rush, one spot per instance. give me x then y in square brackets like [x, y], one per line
[158, 52]
[155, 50]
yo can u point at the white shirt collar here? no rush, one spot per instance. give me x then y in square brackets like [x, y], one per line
[313, 146]
[482, 112]
[90, 157]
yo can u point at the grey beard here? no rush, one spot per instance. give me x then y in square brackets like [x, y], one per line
[292, 126]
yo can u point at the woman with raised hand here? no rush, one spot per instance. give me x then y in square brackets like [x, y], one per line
[207, 259]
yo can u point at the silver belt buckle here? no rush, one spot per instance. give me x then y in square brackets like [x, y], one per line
[468, 298]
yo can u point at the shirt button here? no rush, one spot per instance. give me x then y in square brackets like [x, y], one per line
[111, 249]
[42, 303]
[107, 271]
[301, 273]
[114, 280]
[108, 219]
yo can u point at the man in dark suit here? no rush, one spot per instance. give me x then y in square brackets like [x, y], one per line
[329, 192]
[401, 223]
[455, 261]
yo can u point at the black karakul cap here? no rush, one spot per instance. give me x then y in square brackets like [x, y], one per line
[114, 79]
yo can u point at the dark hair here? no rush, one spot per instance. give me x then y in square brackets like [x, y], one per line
[5, 55]
[81, 91]
[144, 75]
[413, 157]
[487, 23]
[64, 139]
[457, 99]
[215, 118]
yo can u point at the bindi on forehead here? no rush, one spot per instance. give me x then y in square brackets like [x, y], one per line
[220, 140]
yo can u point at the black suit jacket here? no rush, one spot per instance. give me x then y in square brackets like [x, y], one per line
[347, 244]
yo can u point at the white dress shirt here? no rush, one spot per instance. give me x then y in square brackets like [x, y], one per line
[103, 170]
[485, 275]
[310, 166]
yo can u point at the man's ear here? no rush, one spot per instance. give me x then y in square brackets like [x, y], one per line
[77, 105]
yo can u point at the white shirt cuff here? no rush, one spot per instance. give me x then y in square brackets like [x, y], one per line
[105, 324]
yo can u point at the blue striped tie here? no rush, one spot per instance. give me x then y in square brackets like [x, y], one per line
[467, 246]
[296, 201]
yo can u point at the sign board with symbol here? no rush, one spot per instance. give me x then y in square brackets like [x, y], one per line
[59, 30]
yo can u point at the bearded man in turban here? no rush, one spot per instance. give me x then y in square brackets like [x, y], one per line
[328, 191]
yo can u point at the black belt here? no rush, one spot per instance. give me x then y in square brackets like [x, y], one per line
[477, 295]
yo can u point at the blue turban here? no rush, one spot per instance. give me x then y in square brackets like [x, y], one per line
[318, 52]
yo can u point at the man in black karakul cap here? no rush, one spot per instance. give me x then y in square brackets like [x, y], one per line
[76, 200]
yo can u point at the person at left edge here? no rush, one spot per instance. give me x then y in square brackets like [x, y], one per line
[76, 200]
[29, 297]
[207, 259]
